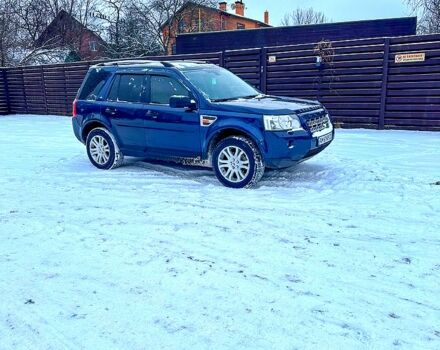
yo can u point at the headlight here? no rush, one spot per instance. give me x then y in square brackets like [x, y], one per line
[281, 122]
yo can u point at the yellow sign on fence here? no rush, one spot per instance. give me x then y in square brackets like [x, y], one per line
[410, 57]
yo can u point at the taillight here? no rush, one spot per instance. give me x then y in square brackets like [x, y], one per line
[74, 108]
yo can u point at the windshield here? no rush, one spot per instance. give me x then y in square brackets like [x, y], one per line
[218, 84]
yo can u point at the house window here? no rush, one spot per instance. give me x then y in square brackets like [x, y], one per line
[181, 27]
[240, 26]
[93, 46]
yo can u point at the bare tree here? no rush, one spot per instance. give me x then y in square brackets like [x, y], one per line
[166, 18]
[136, 39]
[193, 19]
[302, 16]
[9, 40]
[81, 11]
[112, 13]
[126, 32]
[428, 12]
[130, 27]
[32, 17]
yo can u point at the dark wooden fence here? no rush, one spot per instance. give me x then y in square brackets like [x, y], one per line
[189, 43]
[362, 86]
[4, 100]
[51, 89]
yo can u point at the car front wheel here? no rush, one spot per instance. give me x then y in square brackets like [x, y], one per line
[237, 162]
[102, 149]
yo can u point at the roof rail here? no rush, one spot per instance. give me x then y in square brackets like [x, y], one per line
[171, 63]
[126, 62]
[167, 64]
[196, 61]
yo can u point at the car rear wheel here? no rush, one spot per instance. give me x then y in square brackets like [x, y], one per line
[102, 149]
[237, 162]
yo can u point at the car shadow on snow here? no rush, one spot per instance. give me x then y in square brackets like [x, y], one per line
[301, 174]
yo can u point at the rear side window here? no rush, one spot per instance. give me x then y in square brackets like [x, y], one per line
[93, 84]
[128, 88]
[162, 88]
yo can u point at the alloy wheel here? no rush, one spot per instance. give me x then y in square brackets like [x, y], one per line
[233, 163]
[99, 149]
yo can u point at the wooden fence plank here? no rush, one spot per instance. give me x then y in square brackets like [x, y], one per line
[383, 94]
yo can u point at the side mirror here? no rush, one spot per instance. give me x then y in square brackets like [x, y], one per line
[182, 102]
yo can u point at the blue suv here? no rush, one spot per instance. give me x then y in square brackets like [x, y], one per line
[197, 113]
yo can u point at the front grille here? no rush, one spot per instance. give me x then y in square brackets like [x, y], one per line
[317, 120]
[317, 124]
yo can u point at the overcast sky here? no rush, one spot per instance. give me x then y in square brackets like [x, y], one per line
[337, 10]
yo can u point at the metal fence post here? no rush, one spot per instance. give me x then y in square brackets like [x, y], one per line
[221, 58]
[6, 90]
[383, 94]
[263, 70]
[66, 102]
[43, 89]
[320, 74]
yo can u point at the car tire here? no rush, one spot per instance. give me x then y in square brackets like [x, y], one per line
[237, 162]
[102, 149]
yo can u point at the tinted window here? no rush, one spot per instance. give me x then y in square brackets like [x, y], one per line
[94, 82]
[128, 88]
[162, 88]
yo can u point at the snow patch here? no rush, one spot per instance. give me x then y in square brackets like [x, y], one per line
[340, 252]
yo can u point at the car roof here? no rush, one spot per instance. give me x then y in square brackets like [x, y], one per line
[142, 64]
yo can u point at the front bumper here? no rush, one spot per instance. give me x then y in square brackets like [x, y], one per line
[285, 149]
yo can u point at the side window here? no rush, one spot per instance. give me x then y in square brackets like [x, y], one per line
[162, 88]
[128, 88]
[113, 94]
[96, 79]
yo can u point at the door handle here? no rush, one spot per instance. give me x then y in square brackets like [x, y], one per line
[152, 114]
[111, 111]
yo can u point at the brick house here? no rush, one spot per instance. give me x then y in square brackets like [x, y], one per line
[198, 18]
[66, 32]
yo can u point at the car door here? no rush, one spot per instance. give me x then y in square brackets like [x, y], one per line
[170, 132]
[125, 108]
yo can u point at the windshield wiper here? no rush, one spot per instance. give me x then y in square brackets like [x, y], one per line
[237, 98]
[224, 99]
[250, 96]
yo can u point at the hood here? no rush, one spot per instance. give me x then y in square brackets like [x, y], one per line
[267, 105]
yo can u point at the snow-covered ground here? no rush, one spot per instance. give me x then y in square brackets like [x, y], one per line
[341, 252]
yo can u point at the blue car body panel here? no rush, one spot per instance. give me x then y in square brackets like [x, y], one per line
[160, 131]
[173, 132]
